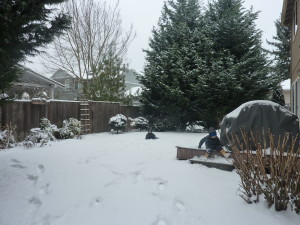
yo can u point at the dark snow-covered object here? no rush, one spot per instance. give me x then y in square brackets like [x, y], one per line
[259, 116]
[150, 135]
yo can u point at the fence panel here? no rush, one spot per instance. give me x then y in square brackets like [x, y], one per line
[25, 115]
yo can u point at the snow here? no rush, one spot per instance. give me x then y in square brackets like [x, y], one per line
[215, 159]
[134, 91]
[286, 84]
[116, 179]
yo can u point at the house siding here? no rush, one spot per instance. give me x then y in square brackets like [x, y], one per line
[291, 18]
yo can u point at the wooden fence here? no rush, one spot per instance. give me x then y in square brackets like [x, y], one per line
[25, 115]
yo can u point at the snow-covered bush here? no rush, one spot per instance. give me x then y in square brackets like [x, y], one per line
[7, 139]
[41, 135]
[4, 96]
[195, 127]
[25, 96]
[140, 123]
[71, 128]
[118, 122]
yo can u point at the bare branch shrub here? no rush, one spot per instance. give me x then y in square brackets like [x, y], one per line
[7, 139]
[272, 170]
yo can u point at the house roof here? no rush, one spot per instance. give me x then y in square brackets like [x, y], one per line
[287, 12]
[130, 77]
[29, 76]
[61, 74]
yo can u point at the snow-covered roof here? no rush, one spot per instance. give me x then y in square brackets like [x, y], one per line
[30, 76]
[286, 84]
[130, 77]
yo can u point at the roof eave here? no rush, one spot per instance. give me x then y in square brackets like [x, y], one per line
[287, 12]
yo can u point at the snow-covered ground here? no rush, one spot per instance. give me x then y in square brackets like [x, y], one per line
[122, 179]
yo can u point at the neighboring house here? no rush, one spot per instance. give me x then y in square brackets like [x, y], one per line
[286, 87]
[35, 85]
[290, 17]
[131, 80]
[73, 88]
[132, 86]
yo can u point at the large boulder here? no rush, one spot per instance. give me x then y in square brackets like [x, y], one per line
[259, 117]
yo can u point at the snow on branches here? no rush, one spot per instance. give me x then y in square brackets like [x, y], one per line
[118, 123]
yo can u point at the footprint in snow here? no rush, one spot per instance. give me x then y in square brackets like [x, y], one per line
[137, 176]
[162, 184]
[41, 168]
[17, 164]
[49, 219]
[97, 201]
[32, 178]
[35, 201]
[179, 205]
[160, 222]
[15, 161]
[45, 189]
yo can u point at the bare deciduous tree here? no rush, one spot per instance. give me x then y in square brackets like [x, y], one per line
[95, 38]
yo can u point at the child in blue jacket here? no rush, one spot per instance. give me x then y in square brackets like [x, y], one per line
[213, 143]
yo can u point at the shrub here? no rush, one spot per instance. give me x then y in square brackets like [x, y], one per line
[161, 125]
[271, 172]
[71, 128]
[41, 135]
[195, 127]
[140, 123]
[7, 139]
[118, 122]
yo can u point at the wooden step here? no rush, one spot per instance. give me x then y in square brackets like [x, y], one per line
[184, 153]
[210, 164]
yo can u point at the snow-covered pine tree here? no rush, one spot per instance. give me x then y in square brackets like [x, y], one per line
[239, 71]
[175, 61]
[281, 51]
[278, 96]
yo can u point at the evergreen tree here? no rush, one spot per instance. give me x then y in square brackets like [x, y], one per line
[107, 82]
[175, 60]
[281, 59]
[281, 51]
[278, 96]
[25, 26]
[239, 71]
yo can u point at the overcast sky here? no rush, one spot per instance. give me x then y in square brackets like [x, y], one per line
[144, 14]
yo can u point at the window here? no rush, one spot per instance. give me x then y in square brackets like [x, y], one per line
[295, 97]
[67, 84]
[295, 18]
